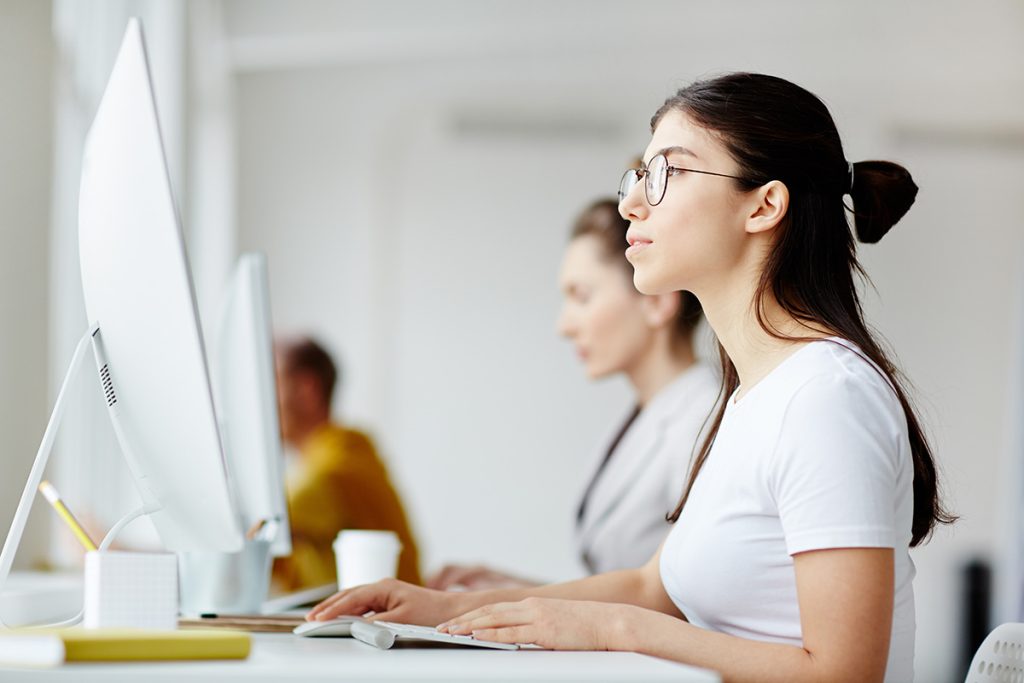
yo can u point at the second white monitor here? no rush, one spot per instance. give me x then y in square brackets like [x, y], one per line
[245, 390]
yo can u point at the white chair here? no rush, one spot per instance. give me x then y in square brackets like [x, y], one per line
[1000, 657]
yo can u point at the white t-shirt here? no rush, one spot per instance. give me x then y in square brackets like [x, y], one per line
[816, 455]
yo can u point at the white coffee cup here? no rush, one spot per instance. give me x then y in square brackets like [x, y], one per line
[365, 556]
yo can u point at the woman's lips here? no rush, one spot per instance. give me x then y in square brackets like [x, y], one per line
[636, 244]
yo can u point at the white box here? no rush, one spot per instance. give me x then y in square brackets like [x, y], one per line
[131, 590]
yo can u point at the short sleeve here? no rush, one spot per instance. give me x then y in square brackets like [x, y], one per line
[835, 466]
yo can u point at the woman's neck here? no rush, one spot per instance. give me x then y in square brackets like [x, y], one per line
[753, 351]
[659, 367]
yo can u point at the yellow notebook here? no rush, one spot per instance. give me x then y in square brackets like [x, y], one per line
[51, 647]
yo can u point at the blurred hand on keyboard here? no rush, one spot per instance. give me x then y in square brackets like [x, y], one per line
[474, 578]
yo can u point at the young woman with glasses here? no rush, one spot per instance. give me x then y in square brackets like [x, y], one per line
[788, 559]
[621, 519]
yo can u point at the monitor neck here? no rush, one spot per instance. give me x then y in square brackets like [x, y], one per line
[35, 475]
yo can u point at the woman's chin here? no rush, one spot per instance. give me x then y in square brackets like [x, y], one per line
[645, 283]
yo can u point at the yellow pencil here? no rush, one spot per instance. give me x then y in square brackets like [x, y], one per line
[51, 495]
[255, 529]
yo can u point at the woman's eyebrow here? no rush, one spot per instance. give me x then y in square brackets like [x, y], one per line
[677, 149]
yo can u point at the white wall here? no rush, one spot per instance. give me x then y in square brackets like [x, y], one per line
[426, 256]
[26, 64]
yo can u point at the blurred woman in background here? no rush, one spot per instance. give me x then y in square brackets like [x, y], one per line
[642, 466]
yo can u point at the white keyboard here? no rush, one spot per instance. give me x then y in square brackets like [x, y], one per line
[412, 631]
[383, 634]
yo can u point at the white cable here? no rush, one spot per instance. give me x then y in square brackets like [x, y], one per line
[147, 509]
[77, 619]
[57, 624]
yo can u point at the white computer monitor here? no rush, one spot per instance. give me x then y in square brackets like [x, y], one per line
[144, 328]
[245, 394]
[138, 291]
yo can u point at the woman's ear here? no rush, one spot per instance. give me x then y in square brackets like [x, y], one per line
[770, 202]
[660, 309]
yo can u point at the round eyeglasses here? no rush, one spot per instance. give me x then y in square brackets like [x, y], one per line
[656, 174]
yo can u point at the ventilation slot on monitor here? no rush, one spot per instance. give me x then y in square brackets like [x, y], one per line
[108, 386]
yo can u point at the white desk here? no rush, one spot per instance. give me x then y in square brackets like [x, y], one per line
[276, 657]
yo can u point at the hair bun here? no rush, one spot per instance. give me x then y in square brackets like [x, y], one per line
[882, 193]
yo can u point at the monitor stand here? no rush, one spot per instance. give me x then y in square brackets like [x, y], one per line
[91, 338]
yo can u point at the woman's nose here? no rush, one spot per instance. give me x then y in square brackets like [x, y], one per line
[633, 206]
[565, 325]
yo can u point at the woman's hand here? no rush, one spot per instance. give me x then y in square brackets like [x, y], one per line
[474, 578]
[393, 600]
[550, 623]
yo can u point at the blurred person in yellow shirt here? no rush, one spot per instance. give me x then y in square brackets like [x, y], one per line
[335, 481]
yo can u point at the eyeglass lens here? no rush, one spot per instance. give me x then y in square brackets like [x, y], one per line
[629, 180]
[655, 180]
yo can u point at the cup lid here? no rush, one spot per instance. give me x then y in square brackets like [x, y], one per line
[367, 536]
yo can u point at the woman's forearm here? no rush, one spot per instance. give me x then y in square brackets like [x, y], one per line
[630, 586]
[738, 660]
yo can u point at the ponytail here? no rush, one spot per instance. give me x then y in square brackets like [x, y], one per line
[882, 192]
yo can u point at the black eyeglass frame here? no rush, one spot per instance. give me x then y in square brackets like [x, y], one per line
[670, 170]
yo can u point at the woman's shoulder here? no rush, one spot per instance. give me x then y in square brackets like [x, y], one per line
[841, 422]
[337, 446]
[824, 382]
[836, 381]
[698, 385]
[704, 377]
[690, 402]
[840, 366]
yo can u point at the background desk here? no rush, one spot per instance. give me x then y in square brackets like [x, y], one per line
[41, 597]
[284, 656]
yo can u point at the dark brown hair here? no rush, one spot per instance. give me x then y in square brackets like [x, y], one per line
[603, 221]
[776, 130]
[304, 355]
